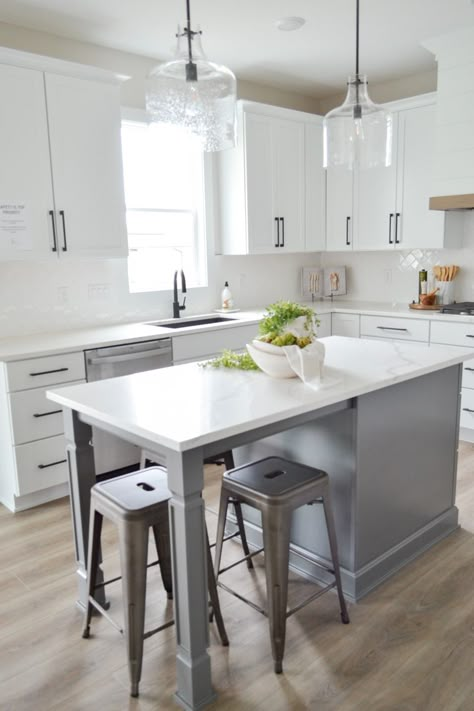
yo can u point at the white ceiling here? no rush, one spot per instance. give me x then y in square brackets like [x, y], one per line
[241, 34]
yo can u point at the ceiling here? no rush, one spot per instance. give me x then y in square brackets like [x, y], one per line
[241, 34]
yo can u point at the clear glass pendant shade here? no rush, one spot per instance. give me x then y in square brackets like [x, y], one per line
[357, 134]
[198, 95]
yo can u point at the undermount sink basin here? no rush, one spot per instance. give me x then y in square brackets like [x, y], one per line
[192, 322]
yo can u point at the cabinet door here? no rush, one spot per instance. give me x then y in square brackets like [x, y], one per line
[419, 226]
[315, 189]
[289, 196]
[339, 212]
[261, 225]
[84, 128]
[25, 172]
[376, 199]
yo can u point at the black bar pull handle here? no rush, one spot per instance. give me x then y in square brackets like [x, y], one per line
[469, 335]
[54, 248]
[469, 368]
[348, 220]
[466, 409]
[282, 243]
[47, 372]
[52, 464]
[45, 414]
[397, 217]
[277, 243]
[61, 212]
[390, 218]
[391, 328]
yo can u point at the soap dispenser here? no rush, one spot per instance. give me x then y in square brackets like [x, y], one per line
[226, 297]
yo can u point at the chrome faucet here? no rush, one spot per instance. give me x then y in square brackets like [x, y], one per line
[177, 307]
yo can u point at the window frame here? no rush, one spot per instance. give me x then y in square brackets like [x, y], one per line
[203, 218]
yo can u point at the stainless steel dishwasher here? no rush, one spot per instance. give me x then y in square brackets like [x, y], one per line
[111, 453]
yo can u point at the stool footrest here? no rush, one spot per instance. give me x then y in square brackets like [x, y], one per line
[311, 598]
[226, 538]
[244, 599]
[241, 560]
[119, 577]
[158, 629]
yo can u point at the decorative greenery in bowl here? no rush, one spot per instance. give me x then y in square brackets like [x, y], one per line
[285, 323]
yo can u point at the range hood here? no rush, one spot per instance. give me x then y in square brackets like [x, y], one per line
[453, 159]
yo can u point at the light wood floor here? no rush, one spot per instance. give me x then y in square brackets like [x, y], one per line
[410, 646]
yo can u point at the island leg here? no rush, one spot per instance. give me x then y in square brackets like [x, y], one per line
[187, 524]
[82, 477]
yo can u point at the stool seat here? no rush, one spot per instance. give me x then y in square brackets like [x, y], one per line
[136, 494]
[276, 487]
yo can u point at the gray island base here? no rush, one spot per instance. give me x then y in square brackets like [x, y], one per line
[391, 458]
[384, 424]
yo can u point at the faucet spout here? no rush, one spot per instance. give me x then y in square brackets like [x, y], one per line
[177, 307]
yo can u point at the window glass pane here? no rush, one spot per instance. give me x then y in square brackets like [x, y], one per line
[163, 176]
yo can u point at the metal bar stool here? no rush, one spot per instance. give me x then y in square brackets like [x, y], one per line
[276, 487]
[134, 502]
[226, 458]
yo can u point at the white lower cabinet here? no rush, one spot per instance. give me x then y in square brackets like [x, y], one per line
[33, 453]
[394, 328]
[345, 325]
[324, 328]
[198, 346]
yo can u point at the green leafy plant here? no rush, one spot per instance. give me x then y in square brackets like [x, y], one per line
[279, 315]
[230, 359]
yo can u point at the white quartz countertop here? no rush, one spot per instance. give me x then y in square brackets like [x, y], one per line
[42, 344]
[187, 406]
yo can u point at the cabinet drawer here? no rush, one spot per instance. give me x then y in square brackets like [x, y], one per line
[33, 416]
[405, 329]
[50, 370]
[453, 334]
[346, 325]
[324, 328]
[206, 344]
[468, 374]
[41, 464]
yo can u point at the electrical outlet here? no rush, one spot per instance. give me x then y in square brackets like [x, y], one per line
[387, 276]
[98, 292]
[63, 294]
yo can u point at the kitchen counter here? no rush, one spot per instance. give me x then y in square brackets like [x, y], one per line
[384, 424]
[43, 344]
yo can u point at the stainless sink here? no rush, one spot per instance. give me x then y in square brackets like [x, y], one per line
[192, 322]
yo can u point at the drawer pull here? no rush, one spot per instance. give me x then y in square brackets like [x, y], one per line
[53, 464]
[47, 372]
[45, 414]
[469, 335]
[391, 328]
[466, 368]
[466, 409]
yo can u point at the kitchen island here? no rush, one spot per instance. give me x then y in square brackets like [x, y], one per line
[384, 423]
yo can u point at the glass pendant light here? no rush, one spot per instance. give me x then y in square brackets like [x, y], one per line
[357, 134]
[192, 92]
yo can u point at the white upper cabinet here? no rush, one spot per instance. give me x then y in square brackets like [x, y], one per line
[388, 207]
[262, 184]
[339, 210]
[25, 171]
[86, 159]
[61, 161]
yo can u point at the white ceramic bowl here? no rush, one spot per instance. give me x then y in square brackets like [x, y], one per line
[274, 364]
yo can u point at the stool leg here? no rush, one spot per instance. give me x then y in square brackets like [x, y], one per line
[161, 533]
[223, 504]
[216, 608]
[95, 530]
[276, 541]
[240, 523]
[335, 558]
[133, 557]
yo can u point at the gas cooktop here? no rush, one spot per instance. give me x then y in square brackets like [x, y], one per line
[464, 308]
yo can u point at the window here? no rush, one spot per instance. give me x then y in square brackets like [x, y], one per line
[164, 196]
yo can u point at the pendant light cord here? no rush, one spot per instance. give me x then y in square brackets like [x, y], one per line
[188, 16]
[357, 37]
